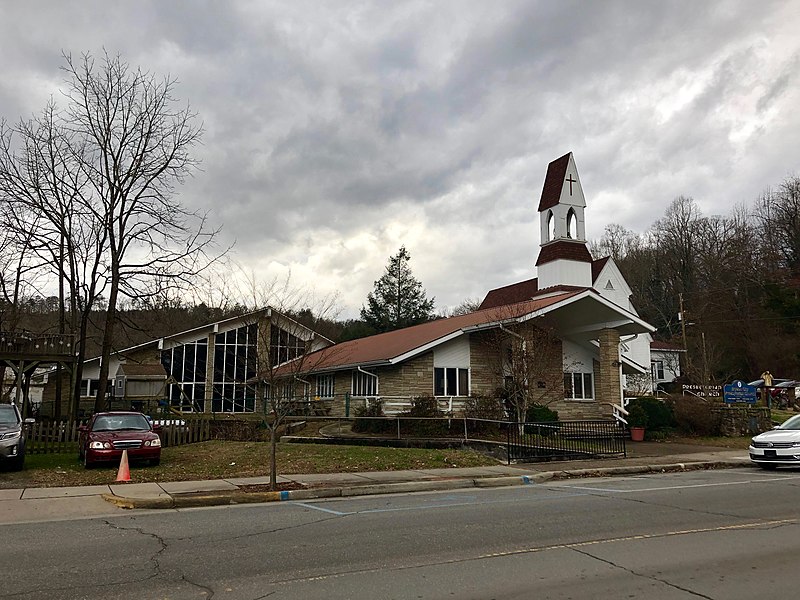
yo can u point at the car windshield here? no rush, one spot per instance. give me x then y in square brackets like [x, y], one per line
[792, 423]
[121, 423]
[8, 416]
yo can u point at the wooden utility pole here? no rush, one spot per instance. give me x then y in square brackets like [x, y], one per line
[682, 316]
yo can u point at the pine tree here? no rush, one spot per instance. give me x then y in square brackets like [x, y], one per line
[398, 299]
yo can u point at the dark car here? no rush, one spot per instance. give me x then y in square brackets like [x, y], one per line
[12, 437]
[109, 433]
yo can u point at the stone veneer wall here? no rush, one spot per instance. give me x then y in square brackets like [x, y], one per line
[487, 374]
[411, 379]
[484, 362]
[609, 378]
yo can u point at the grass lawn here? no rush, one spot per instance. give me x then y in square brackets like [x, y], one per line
[222, 459]
[734, 443]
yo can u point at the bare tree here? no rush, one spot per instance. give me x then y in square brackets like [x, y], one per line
[137, 148]
[527, 360]
[286, 352]
[778, 212]
[46, 194]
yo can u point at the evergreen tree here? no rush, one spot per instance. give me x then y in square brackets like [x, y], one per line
[398, 299]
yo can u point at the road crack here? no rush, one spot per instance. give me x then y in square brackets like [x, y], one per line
[154, 557]
[642, 575]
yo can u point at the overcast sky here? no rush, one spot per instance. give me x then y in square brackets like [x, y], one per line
[338, 131]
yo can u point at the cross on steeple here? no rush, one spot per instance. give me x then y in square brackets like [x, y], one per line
[571, 181]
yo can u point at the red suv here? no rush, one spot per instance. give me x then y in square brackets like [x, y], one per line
[109, 433]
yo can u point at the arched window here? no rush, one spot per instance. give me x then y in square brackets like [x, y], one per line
[551, 226]
[572, 225]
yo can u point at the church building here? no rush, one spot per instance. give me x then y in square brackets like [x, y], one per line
[575, 317]
[567, 338]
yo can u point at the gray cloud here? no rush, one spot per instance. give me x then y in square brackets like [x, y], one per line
[337, 132]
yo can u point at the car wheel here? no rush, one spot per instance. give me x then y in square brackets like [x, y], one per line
[155, 462]
[86, 463]
[18, 463]
[768, 466]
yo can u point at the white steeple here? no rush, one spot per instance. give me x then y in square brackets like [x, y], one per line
[564, 258]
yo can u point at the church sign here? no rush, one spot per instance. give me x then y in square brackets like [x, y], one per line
[739, 391]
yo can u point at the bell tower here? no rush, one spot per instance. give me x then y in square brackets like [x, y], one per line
[564, 258]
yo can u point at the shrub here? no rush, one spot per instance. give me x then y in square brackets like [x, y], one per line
[538, 413]
[371, 424]
[637, 416]
[425, 408]
[659, 414]
[484, 407]
[694, 416]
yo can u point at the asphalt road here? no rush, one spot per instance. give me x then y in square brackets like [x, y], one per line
[709, 534]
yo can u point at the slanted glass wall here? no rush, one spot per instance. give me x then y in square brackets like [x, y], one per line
[187, 365]
[283, 346]
[234, 373]
[235, 368]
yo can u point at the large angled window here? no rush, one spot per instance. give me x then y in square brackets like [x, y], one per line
[186, 366]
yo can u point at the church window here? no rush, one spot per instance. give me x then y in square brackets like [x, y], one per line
[572, 225]
[235, 366]
[609, 285]
[364, 384]
[325, 385]
[579, 386]
[450, 381]
[186, 367]
[551, 226]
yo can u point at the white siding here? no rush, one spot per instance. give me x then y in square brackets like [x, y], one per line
[454, 353]
[577, 358]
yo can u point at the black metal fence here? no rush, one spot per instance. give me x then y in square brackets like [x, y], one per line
[564, 440]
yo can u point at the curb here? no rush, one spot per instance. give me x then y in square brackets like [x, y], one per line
[239, 497]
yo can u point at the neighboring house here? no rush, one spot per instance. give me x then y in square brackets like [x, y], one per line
[213, 368]
[665, 362]
[582, 303]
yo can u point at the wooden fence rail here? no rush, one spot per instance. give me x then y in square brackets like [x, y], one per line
[51, 437]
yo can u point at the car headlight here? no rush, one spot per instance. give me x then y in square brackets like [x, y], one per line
[156, 443]
[10, 435]
[99, 445]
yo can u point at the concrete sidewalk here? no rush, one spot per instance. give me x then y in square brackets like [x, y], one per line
[26, 504]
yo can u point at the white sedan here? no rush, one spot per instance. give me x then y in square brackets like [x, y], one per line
[779, 446]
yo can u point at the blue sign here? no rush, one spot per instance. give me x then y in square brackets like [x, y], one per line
[739, 391]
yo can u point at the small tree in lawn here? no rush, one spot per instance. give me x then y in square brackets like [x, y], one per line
[398, 299]
[285, 353]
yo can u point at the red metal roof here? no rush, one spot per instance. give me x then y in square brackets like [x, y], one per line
[564, 250]
[670, 346]
[554, 182]
[509, 294]
[597, 266]
[528, 289]
[384, 347]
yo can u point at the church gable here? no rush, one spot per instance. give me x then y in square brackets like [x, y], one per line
[611, 284]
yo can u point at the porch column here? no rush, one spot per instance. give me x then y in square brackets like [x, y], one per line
[610, 378]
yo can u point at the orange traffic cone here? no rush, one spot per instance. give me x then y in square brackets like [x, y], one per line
[124, 473]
